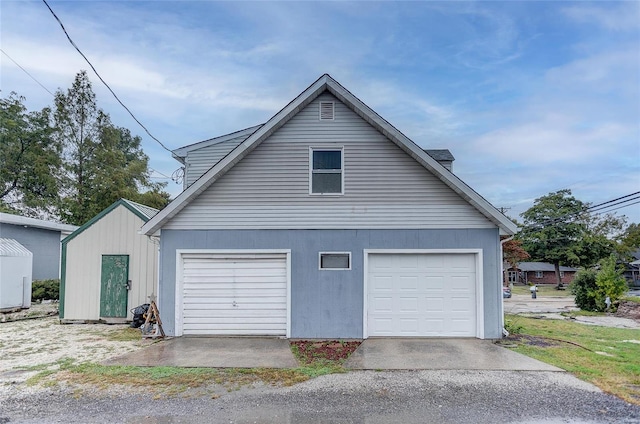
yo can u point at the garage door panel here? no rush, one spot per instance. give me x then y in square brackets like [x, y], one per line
[434, 304]
[408, 304]
[234, 294]
[442, 301]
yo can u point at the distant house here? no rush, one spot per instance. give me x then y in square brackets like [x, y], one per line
[327, 222]
[108, 267]
[42, 238]
[632, 270]
[539, 273]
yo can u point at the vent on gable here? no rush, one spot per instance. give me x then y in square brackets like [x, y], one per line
[326, 111]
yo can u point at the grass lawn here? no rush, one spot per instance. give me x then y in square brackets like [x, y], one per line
[607, 357]
[543, 291]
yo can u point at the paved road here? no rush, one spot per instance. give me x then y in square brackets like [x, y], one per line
[519, 303]
[356, 397]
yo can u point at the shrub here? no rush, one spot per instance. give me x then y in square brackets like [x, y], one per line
[584, 288]
[45, 289]
[610, 283]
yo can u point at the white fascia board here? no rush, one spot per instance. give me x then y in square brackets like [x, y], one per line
[7, 218]
[237, 154]
[506, 226]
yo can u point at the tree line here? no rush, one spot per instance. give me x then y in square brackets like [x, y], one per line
[68, 162]
[564, 231]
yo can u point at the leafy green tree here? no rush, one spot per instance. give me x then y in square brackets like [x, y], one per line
[551, 232]
[79, 125]
[102, 162]
[559, 229]
[29, 159]
[610, 282]
[629, 241]
[584, 288]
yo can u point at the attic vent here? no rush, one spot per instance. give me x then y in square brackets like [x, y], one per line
[326, 111]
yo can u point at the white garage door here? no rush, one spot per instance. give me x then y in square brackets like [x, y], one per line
[234, 294]
[421, 295]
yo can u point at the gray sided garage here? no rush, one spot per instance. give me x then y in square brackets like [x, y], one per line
[270, 283]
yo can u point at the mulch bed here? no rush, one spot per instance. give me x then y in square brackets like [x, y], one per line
[332, 350]
[529, 340]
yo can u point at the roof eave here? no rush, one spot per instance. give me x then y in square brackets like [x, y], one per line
[237, 154]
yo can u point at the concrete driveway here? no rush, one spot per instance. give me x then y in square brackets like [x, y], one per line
[440, 354]
[373, 354]
[213, 352]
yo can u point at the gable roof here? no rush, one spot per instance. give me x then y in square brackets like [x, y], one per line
[7, 218]
[326, 83]
[13, 248]
[541, 266]
[141, 211]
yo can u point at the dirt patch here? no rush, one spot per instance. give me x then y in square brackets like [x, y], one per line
[529, 340]
[36, 345]
[37, 310]
[333, 350]
[629, 310]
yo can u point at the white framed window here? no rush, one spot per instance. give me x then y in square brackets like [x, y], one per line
[326, 171]
[539, 274]
[561, 274]
[327, 111]
[334, 260]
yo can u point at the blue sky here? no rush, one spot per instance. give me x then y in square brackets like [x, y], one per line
[530, 97]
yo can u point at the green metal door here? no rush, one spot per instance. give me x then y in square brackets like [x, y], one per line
[113, 287]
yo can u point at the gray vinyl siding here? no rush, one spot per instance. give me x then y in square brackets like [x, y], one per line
[329, 304]
[384, 187]
[44, 244]
[199, 161]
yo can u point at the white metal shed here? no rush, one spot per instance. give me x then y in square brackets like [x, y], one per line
[16, 263]
[108, 267]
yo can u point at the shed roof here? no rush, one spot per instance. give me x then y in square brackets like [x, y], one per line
[440, 154]
[181, 153]
[11, 247]
[322, 84]
[7, 218]
[143, 212]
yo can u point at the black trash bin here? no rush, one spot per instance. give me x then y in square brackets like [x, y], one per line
[139, 315]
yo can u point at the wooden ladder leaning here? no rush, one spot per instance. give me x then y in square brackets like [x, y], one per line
[152, 327]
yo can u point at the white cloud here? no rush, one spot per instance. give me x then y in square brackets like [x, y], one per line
[618, 16]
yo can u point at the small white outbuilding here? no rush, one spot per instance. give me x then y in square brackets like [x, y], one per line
[16, 265]
[108, 267]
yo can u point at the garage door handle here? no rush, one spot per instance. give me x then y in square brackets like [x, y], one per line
[234, 304]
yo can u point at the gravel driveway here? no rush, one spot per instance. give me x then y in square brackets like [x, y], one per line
[354, 397]
[357, 397]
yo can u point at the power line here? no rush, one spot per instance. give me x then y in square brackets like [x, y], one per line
[26, 72]
[601, 208]
[103, 81]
